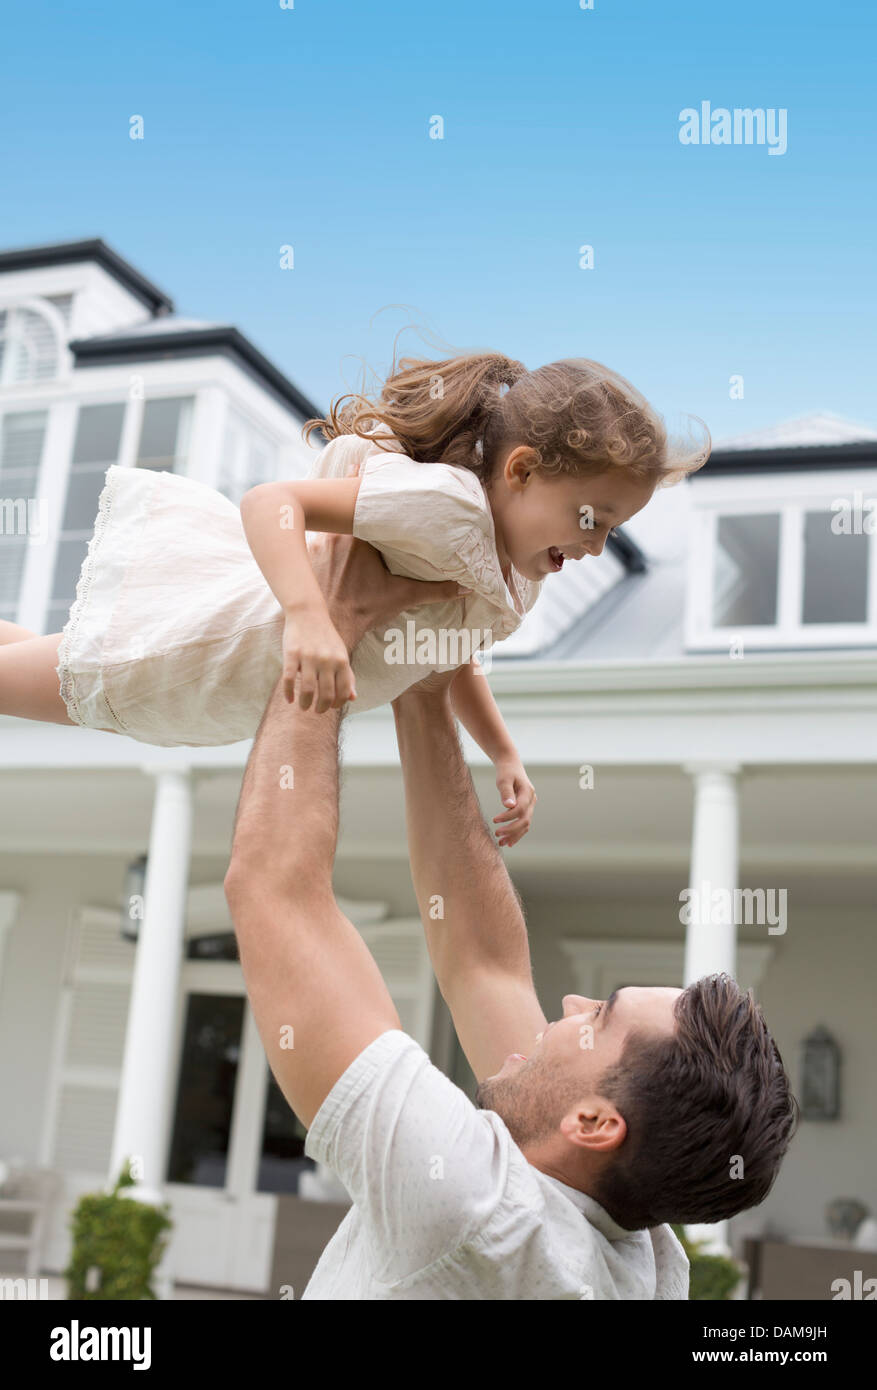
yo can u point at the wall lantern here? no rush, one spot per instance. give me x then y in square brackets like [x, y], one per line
[132, 898]
[820, 1076]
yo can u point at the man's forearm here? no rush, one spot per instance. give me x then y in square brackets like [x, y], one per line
[287, 820]
[470, 910]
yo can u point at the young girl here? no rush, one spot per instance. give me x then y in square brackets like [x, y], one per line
[188, 609]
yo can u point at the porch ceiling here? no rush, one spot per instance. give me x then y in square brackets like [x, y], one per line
[633, 828]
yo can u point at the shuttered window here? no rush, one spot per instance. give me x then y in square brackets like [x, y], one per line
[21, 447]
[29, 347]
[93, 1020]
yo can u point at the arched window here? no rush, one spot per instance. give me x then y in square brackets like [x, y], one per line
[32, 342]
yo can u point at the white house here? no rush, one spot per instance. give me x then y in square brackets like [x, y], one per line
[697, 708]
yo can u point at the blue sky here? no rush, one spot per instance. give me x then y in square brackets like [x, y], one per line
[310, 127]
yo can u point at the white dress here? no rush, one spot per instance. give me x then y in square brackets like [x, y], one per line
[174, 637]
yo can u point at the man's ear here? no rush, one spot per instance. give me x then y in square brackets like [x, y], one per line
[594, 1125]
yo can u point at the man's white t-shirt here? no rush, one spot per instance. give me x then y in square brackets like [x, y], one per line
[446, 1206]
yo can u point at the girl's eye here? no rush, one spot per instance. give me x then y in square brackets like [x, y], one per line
[598, 1010]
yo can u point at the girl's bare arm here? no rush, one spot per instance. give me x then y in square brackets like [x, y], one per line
[473, 704]
[275, 517]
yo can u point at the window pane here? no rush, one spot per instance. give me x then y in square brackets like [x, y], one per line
[68, 563]
[99, 433]
[13, 553]
[20, 516]
[247, 459]
[282, 1159]
[746, 569]
[205, 1092]
[83, 490]
[835, 572]
[21, 447]
[164, 433]
[21, 444]
[57, 615]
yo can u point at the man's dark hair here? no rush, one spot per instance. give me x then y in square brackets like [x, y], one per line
[703, 1105]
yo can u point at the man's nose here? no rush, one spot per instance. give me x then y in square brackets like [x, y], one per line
[577, 1004]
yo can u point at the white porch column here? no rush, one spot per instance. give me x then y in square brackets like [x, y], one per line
[148, 1068]
[710, 944]
[8, 911]
[711, 936]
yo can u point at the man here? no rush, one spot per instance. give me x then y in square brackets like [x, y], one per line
[590, 1133]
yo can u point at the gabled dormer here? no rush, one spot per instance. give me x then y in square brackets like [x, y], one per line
[96, 369]
[784, 539]
[52, 294]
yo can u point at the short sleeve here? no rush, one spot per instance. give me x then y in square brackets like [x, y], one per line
[430, 512]
[424, 1167]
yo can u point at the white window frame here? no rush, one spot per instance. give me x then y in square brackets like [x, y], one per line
[13, 306]
[788, 496]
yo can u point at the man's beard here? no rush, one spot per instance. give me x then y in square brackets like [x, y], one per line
[529, 1102]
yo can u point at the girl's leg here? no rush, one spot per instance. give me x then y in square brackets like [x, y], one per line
[29, 686]
[11, 632]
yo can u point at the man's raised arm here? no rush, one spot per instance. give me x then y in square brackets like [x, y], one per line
[316, 992]
[471, 913]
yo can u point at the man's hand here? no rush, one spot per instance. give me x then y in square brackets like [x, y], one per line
[361, 593]
[478, 944]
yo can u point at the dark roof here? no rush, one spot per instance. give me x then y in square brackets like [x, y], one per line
[152, 344]
[94, 249]
[818, 440]
[789, 460]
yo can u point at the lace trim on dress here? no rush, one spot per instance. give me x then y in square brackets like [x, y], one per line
[80, 602]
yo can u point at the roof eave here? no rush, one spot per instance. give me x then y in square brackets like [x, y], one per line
[96, 250]
[198, 342]
[790, 460]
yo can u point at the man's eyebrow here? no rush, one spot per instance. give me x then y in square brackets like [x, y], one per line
[607, 1009]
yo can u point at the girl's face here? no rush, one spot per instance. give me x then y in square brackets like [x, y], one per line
[541, 522]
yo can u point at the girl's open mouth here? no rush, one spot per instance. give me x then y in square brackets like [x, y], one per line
[556, 557]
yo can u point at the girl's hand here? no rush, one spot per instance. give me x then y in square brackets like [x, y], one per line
[315, 656]
[518, 794]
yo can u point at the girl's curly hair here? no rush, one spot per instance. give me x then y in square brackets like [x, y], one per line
[578, 416]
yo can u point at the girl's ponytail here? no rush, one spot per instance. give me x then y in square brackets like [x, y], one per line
[437, 411]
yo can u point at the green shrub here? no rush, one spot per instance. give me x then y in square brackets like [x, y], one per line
[712, 1276]
[122, 1238]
